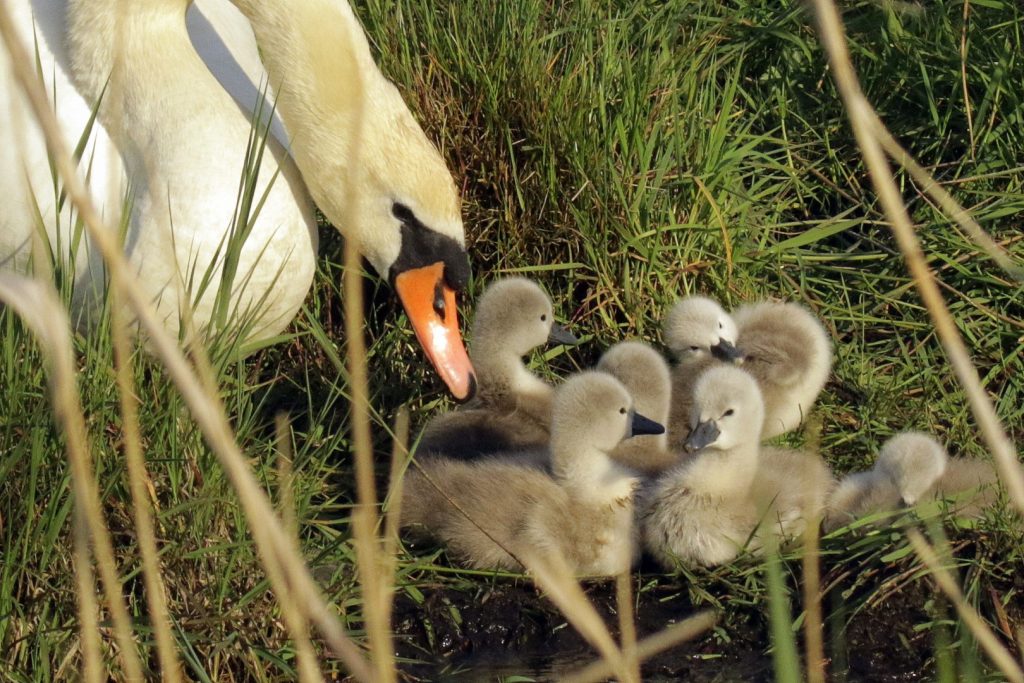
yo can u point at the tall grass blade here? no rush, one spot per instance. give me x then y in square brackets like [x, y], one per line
[999, 655]
[138, 481]
[309, 669]
[39, 306]
[862, 117]
[784, 651]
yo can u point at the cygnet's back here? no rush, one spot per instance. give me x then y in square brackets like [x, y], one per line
[790, 354]
[584, 511]
[700, 335]
[512, 406]
[645, 375]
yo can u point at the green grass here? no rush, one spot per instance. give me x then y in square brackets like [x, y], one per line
[622, 153]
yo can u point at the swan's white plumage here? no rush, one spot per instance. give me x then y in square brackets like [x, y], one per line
[180, 137]
[176, 119]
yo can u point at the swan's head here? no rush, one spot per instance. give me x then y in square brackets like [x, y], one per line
[592, 412]
[644, 373]
[697, 328]
[513, 317]
[369, 166]
[913, 461]
[406, 221]
[727, 410]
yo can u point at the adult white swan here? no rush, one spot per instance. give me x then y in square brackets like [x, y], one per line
[177, 86]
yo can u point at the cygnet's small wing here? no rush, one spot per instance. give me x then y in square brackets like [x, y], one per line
[473, 433]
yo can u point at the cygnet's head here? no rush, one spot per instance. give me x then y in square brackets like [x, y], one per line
[515, 315]
[913, 461]
[644, 373]
[592, 410]
[697, 327]
[727, 410]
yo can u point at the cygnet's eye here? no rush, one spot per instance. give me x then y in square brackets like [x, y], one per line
[622, 411]
[719, 325]
[543, 317]
[695, 348]
[728, 412]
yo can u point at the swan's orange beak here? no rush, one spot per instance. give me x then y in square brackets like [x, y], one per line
[430, 304]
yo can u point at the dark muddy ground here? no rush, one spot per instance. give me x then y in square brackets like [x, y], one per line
[506, 628]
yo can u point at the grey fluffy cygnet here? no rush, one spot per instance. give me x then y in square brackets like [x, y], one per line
[782, 345]
[708, 508]
[493, 510]
[700, 335]
[512, 406]
[913, 467]
[789, 353]
[645, 374]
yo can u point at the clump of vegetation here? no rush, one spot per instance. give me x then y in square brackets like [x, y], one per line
[622, 154]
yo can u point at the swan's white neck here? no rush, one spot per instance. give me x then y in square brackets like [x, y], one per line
[321, 68]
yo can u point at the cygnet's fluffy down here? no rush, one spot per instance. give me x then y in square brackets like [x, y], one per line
[512, 406]
[645, 375]
[789, 353]
[721, 500]
[494, 510]
[782, 345]
[700, 335]
[913, 467]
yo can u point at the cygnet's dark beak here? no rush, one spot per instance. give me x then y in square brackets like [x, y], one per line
[560, 335]
[640, 425]
[726, 351]
[704, 434]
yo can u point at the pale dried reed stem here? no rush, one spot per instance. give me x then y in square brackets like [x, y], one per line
[365, 520]
[364, 517]
[393, 516]
[39, 307]
[295, 620]
[650, 646]
[285, 475]
[1000, 656]
[555, 578]
[861, 116]
[931, 187]
[88, 621]
[627, 623]
[813, 629]
[156, 595]
[206, 408]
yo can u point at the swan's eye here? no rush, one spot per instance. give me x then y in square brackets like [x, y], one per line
[728, 412]
[402, 212]
[719, 325]
[544, 317]
[695, 348]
